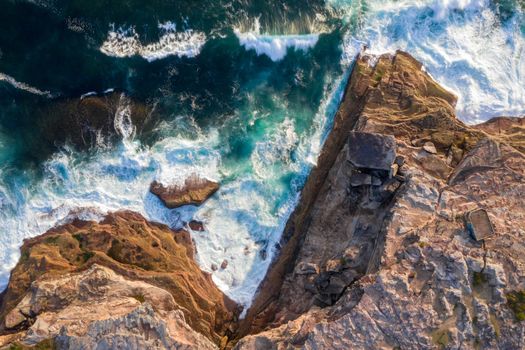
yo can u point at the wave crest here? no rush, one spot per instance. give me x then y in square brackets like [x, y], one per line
[125, 42]
[274, 46]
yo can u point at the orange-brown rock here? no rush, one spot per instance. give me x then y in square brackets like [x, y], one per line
[123, 261]
[388, 262]
[194, 191]
[506, 129]
[90, 121]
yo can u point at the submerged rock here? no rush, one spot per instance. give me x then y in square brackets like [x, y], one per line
[93, 120]
[195, 191]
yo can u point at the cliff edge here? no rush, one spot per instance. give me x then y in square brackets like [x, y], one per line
[380, 252]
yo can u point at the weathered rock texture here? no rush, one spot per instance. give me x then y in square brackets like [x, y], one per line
[510, 130]
[75, 278]
[375, 261]
[194, 191]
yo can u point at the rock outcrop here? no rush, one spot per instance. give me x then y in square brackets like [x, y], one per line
[82, 279]
[195, 191]
[376, 261]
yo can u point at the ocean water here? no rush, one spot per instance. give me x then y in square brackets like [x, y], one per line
[245, 92]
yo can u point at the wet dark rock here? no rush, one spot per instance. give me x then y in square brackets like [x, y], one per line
[195, 191]
[371, 151]
[224, 264]
[195, 225]
[90, 121]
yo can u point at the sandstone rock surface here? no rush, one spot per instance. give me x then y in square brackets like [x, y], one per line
[86, 272]
[194, 191]
[395, 267]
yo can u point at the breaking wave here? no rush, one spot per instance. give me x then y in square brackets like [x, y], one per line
[125, 42]
[464, 45]
[23, 86]
[274, 46]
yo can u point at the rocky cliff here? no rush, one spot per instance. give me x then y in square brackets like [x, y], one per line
[80, 282]
[408, 235]
[372, 259]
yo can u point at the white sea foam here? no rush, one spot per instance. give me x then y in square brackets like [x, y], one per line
[111, 181]
[125, 42]
[23, 86]
[122, 121]
[274, 154]
[461, 43]
[243, 220]
[274, 46]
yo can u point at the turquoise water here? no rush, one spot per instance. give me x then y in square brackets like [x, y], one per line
[244, 93]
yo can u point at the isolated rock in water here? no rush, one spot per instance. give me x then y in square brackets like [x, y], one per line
[195, 225]
[397, 268]
[194, 191]
[85, 272]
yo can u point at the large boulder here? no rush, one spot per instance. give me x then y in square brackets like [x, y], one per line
[194, 191]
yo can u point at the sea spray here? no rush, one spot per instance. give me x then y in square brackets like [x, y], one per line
[125, 42]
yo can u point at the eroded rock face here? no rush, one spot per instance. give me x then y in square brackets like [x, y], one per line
[82, 273]
[510, 130]
[418, 279]
[194, 191]
[370, 258]
[143, 328]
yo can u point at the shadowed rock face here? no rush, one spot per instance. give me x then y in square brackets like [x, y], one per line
[194, 192]
[379, 264]
[85, 272]
[372, 151]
